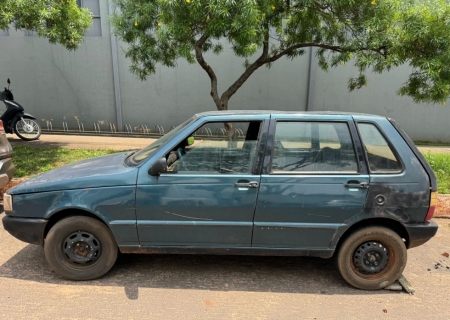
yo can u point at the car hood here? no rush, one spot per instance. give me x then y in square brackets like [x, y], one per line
[103, 171]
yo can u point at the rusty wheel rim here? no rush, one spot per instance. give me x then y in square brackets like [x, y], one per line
[81, 248]
[373, 260]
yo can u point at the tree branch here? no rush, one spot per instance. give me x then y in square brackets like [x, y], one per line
[302, 45]
[248, 72]
[201, 61]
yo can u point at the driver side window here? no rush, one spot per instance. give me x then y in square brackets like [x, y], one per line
[216, 148]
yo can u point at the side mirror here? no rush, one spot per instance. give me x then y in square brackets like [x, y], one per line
[160, 166]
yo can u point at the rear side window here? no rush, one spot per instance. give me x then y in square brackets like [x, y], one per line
[313, 147]
[379, 153]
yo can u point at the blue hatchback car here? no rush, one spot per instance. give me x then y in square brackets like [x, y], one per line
[323, 184]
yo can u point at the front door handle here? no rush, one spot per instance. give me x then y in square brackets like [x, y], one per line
[250, 184]
[357, 184]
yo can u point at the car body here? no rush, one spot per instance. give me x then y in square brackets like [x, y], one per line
[321, 184]
[7, 167]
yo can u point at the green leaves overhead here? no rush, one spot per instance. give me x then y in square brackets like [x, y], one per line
[374, 35]
[61, 21]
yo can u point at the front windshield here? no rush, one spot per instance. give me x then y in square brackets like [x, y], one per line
[143, 154]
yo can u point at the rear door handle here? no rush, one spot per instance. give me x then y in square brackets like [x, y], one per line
[250, 184]
[357, 184]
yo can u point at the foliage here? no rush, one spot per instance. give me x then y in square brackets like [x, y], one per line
[61, 21]
[376, 35]
[440, 162]
[31, 161]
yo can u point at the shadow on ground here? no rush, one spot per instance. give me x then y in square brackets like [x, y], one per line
[199, 272]
[16, 141]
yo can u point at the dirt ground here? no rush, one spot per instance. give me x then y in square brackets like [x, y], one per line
[219, 287]
[443, 206]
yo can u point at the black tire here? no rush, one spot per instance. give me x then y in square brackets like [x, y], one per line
[80, 248]
[372, 258]
[27, 129]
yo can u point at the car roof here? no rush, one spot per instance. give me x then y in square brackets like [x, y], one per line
[277, 112]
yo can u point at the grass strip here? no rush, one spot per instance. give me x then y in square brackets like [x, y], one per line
[440, 162]
[31, 161]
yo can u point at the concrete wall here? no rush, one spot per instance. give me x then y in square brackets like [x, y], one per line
[172, 95]
[428, 122]
[54, 84]
[57, 85]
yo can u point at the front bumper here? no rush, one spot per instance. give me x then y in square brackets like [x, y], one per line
[421, 233]
[26, 229]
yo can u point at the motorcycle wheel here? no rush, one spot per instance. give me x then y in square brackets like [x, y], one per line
[27, 129]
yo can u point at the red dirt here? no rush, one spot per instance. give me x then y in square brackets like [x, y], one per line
[443, 206]
[14, 182]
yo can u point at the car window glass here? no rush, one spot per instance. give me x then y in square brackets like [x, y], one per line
[216, 148]
[143, 154]
[313, 147]
[380, 156]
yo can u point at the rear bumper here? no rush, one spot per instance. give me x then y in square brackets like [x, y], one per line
[7, 170]
[26, 229]
[421, 233]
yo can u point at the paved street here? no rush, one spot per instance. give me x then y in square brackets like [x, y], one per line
[212, 287]
[218, 287]
[85, 141]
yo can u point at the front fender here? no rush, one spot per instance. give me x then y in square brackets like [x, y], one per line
[115, 206]
[28, 116]
[19, 115]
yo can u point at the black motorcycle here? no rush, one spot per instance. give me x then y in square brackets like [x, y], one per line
[24, 125]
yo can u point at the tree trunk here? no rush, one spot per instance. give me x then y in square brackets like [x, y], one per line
[222, 105]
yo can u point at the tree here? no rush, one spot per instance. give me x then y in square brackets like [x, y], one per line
[61, 21]
[375, 35]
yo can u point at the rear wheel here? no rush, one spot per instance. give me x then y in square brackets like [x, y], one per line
[80, 248]
[372, 258]
[27, 129]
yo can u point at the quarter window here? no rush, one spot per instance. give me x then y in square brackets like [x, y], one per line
[380, 156]
[216, 148]
[313, 147]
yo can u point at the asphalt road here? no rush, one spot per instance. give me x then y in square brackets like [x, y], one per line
[218, 287]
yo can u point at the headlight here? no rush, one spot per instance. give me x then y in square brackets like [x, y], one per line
[7, 202]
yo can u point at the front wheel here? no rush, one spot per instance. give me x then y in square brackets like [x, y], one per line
[372, 258]
[27, 129]
[80, 248]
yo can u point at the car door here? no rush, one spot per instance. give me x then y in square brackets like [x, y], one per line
[208, 196]
[313, 180]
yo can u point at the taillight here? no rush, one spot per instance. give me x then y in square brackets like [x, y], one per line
[433, 202]
[1, 126]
